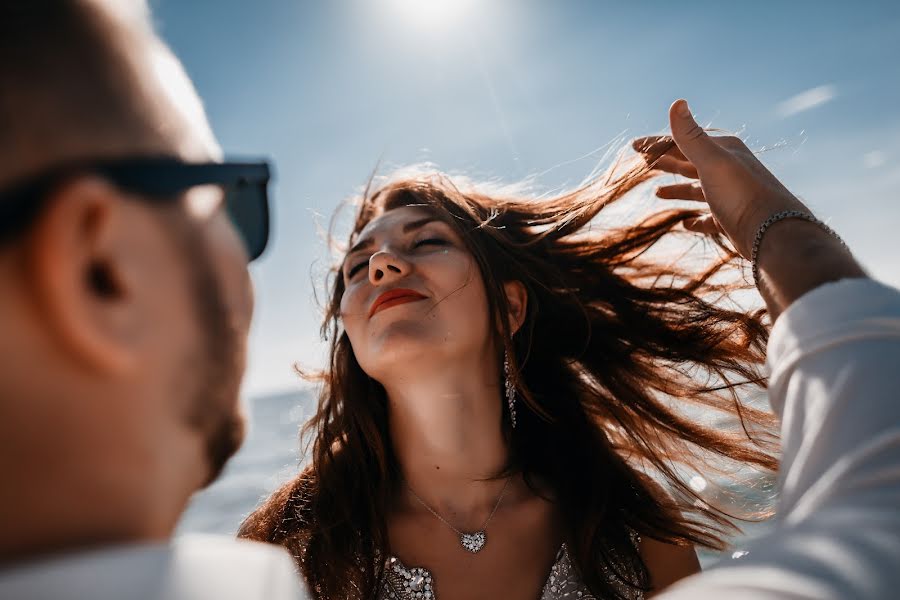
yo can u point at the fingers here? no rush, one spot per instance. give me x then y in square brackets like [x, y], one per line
[681, 191]
[670, 164]
[706, 224]
[662, 154]
[652, 146]
[693, 142]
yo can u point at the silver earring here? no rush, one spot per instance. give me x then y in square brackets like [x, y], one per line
[510, 390]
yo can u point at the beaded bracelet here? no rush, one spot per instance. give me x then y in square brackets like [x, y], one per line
[786, 214]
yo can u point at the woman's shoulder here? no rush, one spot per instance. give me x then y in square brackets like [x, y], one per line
[666, 563]
[281, 515]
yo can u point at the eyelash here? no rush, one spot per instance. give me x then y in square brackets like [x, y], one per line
[429, 241]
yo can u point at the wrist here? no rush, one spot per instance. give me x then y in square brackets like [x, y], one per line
[764, 211]
[792, 215]
[797, 256]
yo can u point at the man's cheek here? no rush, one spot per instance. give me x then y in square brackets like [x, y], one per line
[231, 269]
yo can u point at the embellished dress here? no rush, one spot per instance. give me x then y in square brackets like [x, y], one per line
[563, 582]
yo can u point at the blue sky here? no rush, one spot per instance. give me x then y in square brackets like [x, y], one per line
[508, 89]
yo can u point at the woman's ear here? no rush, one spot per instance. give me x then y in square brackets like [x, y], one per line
[517, 300]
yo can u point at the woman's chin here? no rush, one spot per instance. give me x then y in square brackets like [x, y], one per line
[399, 350]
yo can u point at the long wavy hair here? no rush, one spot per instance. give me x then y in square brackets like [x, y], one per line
[619, 341]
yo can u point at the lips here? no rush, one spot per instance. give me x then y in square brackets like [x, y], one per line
[393, 298]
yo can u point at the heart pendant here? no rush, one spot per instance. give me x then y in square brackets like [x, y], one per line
[473, 542]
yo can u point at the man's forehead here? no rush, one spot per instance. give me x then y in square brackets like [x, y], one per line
[180, 107]
[125, 92]
[165, 85]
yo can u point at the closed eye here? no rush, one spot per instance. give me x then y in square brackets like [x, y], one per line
[431, 242]
[354, 270]
[426, 242]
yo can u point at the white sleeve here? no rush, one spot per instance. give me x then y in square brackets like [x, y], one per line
[193, 567]
[206, 567]
[834, 359]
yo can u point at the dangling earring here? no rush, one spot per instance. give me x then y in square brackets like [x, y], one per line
[510, 390]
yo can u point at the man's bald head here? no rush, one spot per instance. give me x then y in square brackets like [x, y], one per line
[84, 79]
[124, 315]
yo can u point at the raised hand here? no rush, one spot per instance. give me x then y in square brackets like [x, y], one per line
[740, 191]
[795, 256]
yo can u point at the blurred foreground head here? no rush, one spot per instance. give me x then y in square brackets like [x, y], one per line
[123, 321]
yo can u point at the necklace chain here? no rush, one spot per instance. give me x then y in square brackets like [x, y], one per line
[448, 523]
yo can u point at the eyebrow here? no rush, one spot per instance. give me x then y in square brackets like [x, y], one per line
[362, 245]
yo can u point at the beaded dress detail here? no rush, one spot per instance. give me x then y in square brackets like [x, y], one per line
[563, 582]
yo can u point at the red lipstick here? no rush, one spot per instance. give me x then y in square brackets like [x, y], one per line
[393, 298]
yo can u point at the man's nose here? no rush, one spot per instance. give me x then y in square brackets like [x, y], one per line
[386, 266]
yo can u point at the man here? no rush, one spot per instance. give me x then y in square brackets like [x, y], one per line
[125, 303]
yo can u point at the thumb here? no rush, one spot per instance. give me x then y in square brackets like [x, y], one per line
[693, 142]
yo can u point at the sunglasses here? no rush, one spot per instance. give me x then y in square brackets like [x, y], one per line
[245, 187]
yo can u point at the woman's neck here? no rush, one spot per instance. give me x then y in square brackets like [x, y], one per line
[446, 430]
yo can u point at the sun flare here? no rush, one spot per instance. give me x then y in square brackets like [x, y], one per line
[432, 14]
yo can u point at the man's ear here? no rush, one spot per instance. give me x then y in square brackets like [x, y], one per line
[77, 274]
[517, 300]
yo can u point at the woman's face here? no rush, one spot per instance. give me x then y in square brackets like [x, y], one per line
[414, 296]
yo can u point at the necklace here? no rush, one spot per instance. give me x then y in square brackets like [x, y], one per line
[473, 542]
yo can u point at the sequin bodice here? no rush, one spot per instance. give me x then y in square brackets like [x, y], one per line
[416, 583]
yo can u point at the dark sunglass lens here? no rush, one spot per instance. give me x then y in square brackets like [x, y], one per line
[247, 205]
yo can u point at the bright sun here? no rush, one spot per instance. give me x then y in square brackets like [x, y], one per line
[432, 14]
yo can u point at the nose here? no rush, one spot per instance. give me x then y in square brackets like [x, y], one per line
[385, 267]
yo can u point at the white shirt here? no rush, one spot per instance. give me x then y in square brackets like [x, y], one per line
[834, 359]
[195, 567]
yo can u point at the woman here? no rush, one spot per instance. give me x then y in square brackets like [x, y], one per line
[504, 397]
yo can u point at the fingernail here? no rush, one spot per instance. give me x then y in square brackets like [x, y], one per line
[683, 109]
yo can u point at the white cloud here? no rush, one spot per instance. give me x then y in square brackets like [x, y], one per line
[806, 100]
[873, 159]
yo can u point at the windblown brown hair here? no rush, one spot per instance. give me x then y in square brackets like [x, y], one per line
[615, 343]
